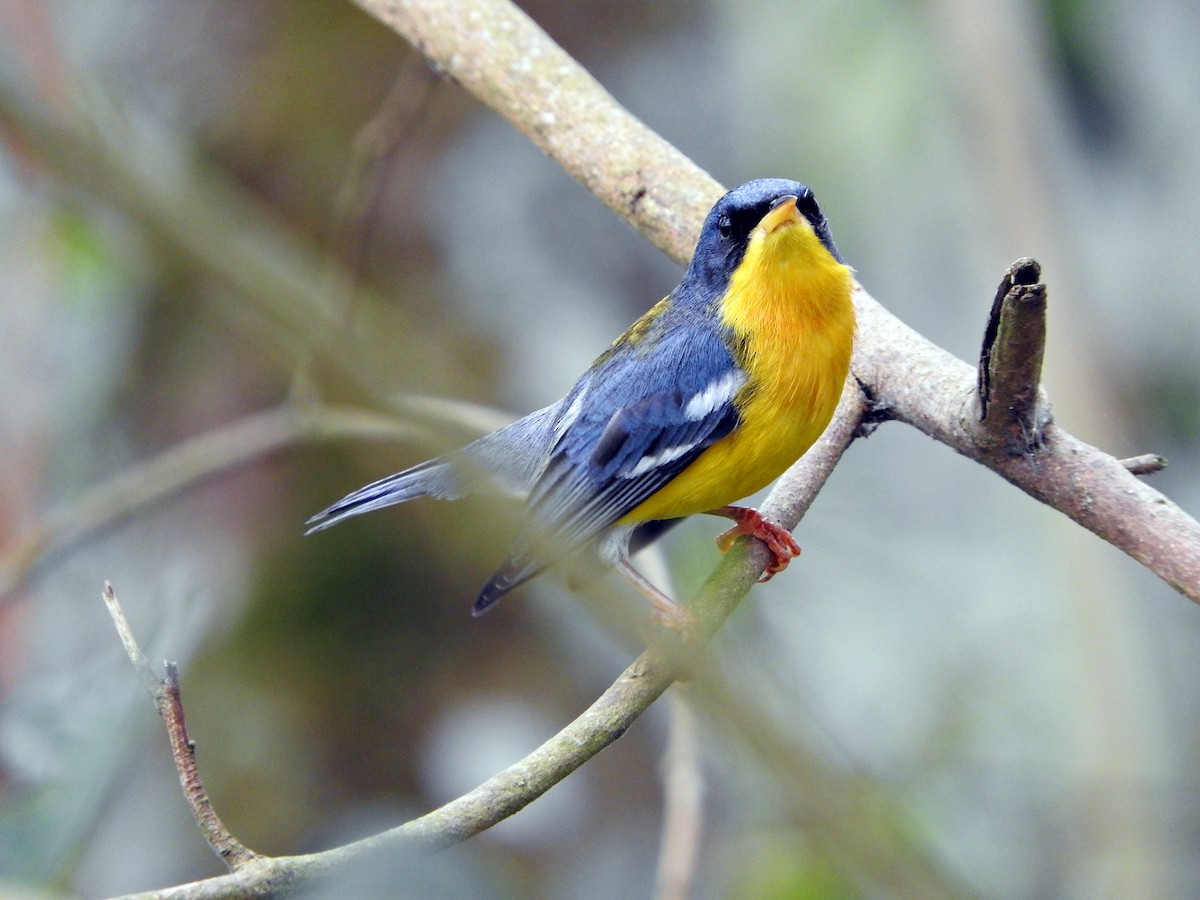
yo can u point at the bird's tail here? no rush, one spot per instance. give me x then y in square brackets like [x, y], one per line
[517, 570]
[434, 478]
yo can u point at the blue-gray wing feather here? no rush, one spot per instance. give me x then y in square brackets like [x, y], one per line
[625, 431]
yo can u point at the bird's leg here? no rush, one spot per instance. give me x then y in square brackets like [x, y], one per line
[670, 613]
[750, 521]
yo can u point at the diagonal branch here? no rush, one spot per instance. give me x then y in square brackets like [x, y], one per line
[923, 385]
[503, 57]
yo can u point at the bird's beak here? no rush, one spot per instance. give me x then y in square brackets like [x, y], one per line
[783, 212]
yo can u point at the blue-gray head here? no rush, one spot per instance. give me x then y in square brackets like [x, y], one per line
[730, 223]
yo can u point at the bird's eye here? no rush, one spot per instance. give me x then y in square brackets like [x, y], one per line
[725, 227]
[807, 204]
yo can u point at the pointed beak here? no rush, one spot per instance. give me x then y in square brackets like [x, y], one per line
[783, 212]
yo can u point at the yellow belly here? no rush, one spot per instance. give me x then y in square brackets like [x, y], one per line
[768, 441]
[789, 308]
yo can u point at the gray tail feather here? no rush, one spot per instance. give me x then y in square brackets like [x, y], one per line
[434, 478]
[517, 570]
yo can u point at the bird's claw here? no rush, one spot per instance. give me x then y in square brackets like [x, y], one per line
[777, 538]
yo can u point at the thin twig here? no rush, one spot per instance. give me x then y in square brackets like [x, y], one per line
[151, 682]
[169, 703]
[1144, 464]
[374, 149]
[183, 750]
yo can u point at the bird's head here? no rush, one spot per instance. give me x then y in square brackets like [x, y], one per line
[768, 214]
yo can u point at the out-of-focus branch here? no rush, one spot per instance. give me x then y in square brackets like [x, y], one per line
[499, 54]
[179, 468]
[374, 150]
[683, 803]
[273, 278]
[421, 420]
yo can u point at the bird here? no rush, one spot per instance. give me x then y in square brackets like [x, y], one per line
[705, 399]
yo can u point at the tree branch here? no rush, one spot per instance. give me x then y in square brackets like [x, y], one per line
[374, 149]
[501, 56]
[925, 386]
[497, 798]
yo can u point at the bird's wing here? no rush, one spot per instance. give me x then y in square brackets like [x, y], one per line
[631, 425]
[593, 479]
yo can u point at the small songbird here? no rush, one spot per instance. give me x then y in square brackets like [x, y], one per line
[707, 398]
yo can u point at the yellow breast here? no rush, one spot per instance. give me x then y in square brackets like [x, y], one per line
[788, 307]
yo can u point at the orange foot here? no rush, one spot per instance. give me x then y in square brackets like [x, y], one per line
[750, 521]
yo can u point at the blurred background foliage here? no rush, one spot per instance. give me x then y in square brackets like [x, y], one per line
[213, 209]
